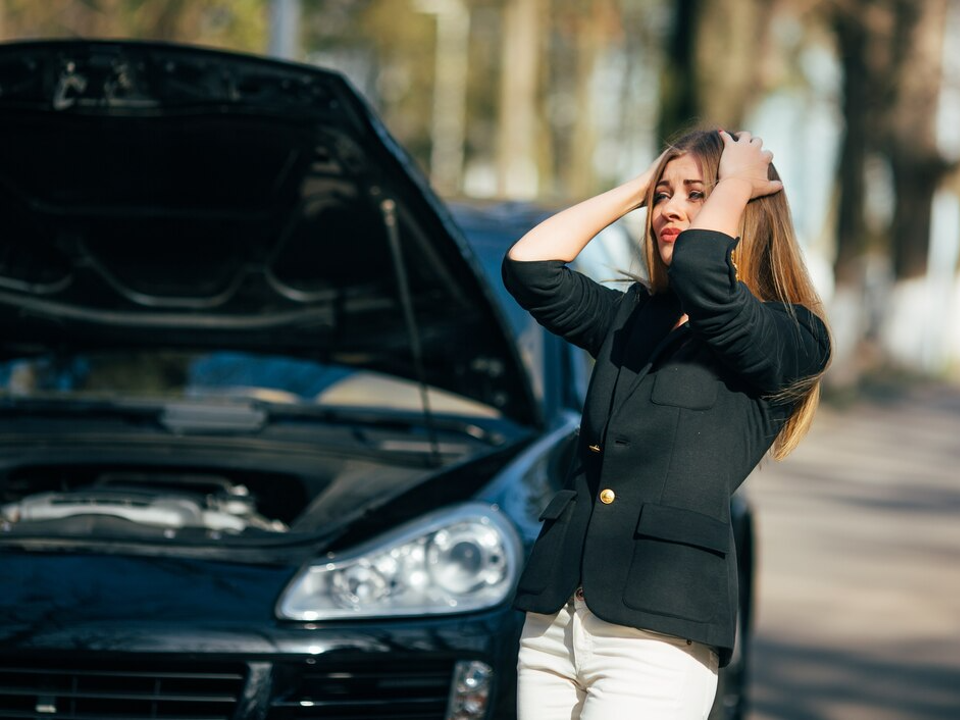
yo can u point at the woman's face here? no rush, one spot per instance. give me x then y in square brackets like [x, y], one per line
[677, 199]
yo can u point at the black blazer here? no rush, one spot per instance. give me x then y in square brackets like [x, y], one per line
[674, 421]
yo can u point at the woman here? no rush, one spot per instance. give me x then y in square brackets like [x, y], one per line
[631, 588]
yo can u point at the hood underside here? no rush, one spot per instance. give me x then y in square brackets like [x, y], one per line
[163, 196]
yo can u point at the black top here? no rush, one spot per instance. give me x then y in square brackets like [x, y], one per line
[673, 422]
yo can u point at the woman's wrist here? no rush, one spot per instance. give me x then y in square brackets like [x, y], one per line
[637, 191]
[641, 183]
[738, 185]
[724, 207]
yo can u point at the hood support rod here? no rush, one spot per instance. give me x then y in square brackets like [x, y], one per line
[389, 210]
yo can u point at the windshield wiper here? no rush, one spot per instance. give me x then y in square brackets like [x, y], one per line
[183, 416]
[177, 416]
[187, 417]
[62, 405]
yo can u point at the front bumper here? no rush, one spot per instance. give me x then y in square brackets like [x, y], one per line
[397, 670]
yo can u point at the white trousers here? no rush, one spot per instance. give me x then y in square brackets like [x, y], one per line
[575, 666]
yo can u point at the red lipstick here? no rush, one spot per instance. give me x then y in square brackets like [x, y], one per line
[669, 234]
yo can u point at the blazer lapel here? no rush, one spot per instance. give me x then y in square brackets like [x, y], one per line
[625, 389]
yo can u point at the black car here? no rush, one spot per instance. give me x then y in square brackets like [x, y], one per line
[273, 439]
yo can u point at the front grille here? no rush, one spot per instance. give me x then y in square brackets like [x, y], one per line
[396, 690]
[132, 690]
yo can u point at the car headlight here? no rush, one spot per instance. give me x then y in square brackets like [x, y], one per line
[454, 560]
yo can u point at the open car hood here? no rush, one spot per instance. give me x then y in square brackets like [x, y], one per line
[159, 195]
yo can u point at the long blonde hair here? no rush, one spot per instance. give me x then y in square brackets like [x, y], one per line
[768, 261]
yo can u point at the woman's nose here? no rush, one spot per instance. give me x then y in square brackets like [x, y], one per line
[673, 208]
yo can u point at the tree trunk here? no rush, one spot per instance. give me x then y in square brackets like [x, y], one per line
[916, 180]
[713, 70]
[679, 82]
[517, 174]
[588, 38]
[730, 50]
[858, 109]
[915, 159]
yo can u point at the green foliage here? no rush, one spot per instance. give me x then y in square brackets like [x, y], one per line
[234, 24]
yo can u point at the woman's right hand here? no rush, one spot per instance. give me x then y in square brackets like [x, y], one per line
[744, 160]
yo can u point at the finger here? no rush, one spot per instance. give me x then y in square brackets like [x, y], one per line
[772, 187]
[726, 137]
[767, 155]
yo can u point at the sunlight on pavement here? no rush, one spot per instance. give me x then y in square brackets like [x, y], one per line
[858, 587]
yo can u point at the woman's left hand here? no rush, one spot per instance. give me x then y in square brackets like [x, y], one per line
[744, 160]
[742, 176]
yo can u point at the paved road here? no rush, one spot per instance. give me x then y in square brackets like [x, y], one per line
[859, 565]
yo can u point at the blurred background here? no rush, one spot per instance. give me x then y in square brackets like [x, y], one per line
[554, 100]
[557, 99]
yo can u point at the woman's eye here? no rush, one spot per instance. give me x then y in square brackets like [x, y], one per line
[696, 195]
[659, 197]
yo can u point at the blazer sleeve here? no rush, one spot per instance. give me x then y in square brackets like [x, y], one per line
[564, 301]
[769, 344]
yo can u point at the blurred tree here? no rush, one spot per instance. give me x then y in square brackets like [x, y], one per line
[596, 92]
[582, 34]
[715, 57]
[911, 133]
[387, 49]
[284, 24]
[484, 68]
[531, 79]
[679, 99]
[450, 65]
[519, 165]
[235, 24]
[862, 103]
[891, 55]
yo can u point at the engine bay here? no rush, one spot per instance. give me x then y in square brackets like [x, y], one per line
[165, 500]
[170, 500]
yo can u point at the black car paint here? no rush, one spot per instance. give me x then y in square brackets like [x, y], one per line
[203, 613]
[119, 601]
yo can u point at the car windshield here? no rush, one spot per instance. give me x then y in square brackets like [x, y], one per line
[200, 375]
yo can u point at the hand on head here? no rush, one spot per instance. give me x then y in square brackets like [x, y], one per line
[745, 160]
[642, 181]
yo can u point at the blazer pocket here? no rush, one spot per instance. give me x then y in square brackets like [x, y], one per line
[686, 386]
[547, 551]
[683, 526]
[679, 564]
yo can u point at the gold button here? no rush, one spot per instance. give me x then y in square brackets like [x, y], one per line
[607, 496]
[594, 448]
